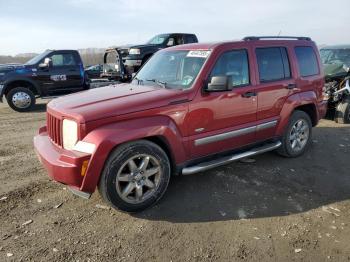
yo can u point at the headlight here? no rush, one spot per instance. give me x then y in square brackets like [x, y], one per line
[70, 134]
[134, 51]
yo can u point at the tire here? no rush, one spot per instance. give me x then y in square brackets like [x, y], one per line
[86, 85]
[121, 175]
[21, 99]
[342, 113]
[296, 147]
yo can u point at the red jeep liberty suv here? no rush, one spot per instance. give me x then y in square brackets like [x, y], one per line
[189, 108]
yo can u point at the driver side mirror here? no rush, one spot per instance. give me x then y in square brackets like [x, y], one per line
[46, 64]
[219, 83]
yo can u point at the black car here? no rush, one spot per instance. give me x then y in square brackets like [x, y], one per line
[53, 72]
[134, 56]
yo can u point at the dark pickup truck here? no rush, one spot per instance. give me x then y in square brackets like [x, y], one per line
[51, 73]
[121, 62]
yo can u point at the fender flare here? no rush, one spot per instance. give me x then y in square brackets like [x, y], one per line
[9, 81]
[292, 102]
[107, 138]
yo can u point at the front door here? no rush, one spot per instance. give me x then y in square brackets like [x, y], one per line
[65, 72]
[275, 84]
[220, 121]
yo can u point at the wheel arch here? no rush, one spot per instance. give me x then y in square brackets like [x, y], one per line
[159, 129]
[31, 85]
[310, 110]
[305, 101]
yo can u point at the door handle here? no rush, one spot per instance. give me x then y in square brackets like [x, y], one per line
[249, 94]
[291, 86]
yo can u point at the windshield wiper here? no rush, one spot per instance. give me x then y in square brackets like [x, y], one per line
[160, 83]
[139, 81]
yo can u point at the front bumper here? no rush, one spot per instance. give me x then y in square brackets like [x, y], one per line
[62, 165]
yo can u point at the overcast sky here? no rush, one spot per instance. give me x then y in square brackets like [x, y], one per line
[36, 25]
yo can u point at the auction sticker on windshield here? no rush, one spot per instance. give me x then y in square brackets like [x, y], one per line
[198, 53]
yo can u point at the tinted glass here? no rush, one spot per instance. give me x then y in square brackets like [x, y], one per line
[235, 65]
[37, 58]
[158, 39]
[335, 56]
[307, 60]
[273, 63]
[190, 39]
[62, 60]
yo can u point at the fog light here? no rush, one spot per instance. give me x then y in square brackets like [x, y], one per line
[84, 167]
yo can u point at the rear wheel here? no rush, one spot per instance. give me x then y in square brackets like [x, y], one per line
[135, 176]
[297, 135]
[342, 113]
[21, 99]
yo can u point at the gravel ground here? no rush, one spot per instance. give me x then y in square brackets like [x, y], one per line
[275, 209]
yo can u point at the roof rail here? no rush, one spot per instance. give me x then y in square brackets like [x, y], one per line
[249, 38]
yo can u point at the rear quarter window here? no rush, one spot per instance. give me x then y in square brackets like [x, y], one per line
[307, 61]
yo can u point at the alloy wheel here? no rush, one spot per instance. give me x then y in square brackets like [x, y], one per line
[138, 178]
[299, 135]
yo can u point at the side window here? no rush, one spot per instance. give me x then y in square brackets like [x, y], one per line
[180, 40]
[273, 63]
[233, 64]
[190, 39]
[63, 60]
[307, 61]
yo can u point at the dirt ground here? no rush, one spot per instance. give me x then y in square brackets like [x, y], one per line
[275, 209]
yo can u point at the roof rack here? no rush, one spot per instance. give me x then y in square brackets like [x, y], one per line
[249, 38]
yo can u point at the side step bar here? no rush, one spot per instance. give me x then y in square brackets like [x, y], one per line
[228, 159]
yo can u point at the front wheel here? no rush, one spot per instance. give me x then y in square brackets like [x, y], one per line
[21, 99]
[342, 113]
[297, 135]
[135, 176]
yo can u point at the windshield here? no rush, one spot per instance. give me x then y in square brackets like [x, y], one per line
[172, 69]
[335, 56]
[158, 39]
[37, 58]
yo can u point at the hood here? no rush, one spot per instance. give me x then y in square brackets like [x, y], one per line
[13, 69]
[334, 69]
[113, 100]
[148, 46]
[10, 67]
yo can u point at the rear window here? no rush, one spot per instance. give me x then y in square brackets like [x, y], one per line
[190, 39]
[273, 64]
[307, 61]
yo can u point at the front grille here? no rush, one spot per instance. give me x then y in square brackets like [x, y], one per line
[124, 52]
[54, 129]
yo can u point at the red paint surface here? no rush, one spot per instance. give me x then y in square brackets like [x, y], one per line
[117, 114]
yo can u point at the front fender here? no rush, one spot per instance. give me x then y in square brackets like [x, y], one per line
[289, 106]
[108, 137]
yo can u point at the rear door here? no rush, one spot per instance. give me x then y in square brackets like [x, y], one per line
[274, 84]
[225, 120]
